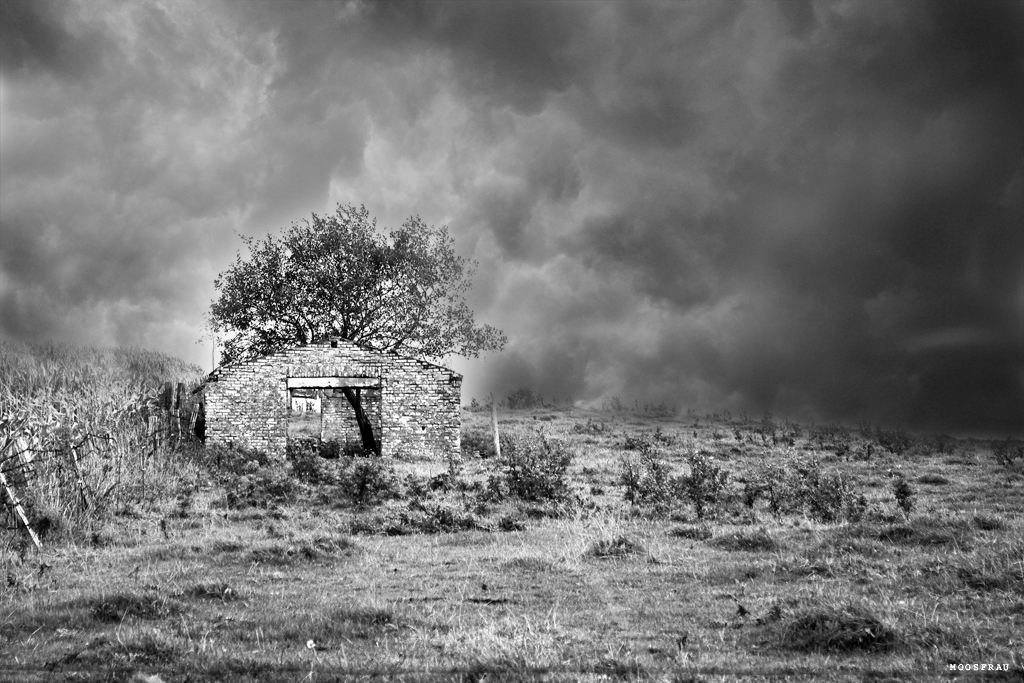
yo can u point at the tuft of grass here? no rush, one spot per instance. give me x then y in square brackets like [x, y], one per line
[363, 622]
[120, 606]
[925, 532]
[213, 591]
[620, 546]
[310, 550]
[988, 522]
[694, 533]
[532, 565]
[758, 540]
[993, 570]
[835, 628]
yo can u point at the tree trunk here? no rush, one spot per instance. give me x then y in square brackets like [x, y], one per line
[370, 442]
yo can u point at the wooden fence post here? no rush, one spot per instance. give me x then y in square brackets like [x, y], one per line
[83, 487]
[494, 425]
[18, 510]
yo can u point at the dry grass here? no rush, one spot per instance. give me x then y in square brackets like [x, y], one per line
[591, 588]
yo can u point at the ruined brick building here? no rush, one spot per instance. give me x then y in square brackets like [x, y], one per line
[413, 406]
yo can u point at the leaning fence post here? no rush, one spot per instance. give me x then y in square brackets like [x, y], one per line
[18, 510]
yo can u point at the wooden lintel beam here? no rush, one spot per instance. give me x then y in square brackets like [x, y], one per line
[332, 382]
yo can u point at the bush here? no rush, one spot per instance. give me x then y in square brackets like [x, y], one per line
[533, 467]
[232, 459]
[1006, 452]
[591, 427]
[772, 482]
[307, 463]
[904, 494]
[366, 481]
[801, 485]
[523, 399]
[263, 487]
[826, 496]
[705, 483]
[649, 481]
[639, 442]
[434, 519]
[896, 441]
[478, 442]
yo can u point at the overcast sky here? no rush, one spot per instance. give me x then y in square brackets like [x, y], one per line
[814, 208]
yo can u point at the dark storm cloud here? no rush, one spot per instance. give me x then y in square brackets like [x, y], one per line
[808, 207]
[36, 37]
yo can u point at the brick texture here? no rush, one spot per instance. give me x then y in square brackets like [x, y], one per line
[414, 405]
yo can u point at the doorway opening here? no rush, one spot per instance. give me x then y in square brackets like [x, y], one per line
[322, 416]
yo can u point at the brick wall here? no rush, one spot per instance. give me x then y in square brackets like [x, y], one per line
[415, 411]
[339, 419]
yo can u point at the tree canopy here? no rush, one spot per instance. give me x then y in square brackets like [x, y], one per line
[339, 276]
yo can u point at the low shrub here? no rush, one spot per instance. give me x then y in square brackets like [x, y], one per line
[770, 481]
[366, 481]
[262, 487]
[1005, 452]
[478, 443]
[827, 497]
[591, 426]
[896, 441]
[534, 468]
[524, 399]
[649, 482]
[434, 519]
[906, 497]
[232, 459]
[705, 484]
[638, 442]
[308, 463]
[801, 485]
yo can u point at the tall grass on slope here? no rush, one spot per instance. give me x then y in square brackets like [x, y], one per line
[73, 425]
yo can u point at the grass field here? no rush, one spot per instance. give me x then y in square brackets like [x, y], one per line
[817, 554]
